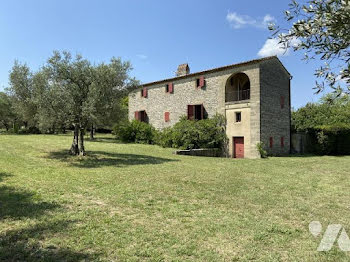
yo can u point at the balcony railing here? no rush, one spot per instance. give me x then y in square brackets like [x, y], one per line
[234, 96]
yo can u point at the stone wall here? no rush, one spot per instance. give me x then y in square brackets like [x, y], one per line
[212, 96]
[275, 121]
[262, 116]
[185, 93]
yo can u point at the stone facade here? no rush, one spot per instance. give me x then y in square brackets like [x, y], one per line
[261, 115]
[275, 119]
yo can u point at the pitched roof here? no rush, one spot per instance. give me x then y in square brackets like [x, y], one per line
[255, 61]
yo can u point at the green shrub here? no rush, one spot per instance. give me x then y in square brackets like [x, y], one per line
[28, 130]
[261, 150]
[329, 141]
[164, 138]
[189, 134]
[135, 131]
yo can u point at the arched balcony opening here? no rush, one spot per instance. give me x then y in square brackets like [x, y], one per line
[237, 88]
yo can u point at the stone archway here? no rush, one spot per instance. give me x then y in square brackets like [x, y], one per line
[237, 88]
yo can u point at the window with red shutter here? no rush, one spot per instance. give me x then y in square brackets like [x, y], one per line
[282, 102]
[282, 141]
[143, 116]
[171, 88]
[200, 82]
[166, 116]
[271, 142]
[190, 112]
[144, 93]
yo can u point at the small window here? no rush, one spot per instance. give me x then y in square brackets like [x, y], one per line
[238, 117]
[141, 116]
[144, 92]
[200, 82]
[195, 112]
[271, 142]
[169, 88]
[282, 141]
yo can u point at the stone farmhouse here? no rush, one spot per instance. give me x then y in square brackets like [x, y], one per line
[254, 96]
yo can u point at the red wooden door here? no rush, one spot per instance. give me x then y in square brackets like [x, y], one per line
[238, 147]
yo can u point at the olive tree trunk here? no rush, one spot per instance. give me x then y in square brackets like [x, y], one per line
[74, 150]
[92, 132]
[81, 142]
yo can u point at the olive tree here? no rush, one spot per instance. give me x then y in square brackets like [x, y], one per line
[7, 116]
[22, 94]
[322, 28]
[89, 90]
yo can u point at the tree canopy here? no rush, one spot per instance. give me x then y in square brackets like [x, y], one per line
[70, 91]
[321, 28]
[7, 116]
[331, 113]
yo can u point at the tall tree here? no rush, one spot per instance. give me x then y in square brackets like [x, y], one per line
[322, 28]
[21, 90]
[111, 85]
[50, 98]
[89, 89]
[7, 115]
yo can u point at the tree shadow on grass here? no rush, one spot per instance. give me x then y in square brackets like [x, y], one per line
[17, 203]
[95, 159]
[310, 155]
[25, 244]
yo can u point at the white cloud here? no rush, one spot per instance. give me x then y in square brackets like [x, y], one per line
[273, 47]
[267, 19]
[142, 57]
[239, 21]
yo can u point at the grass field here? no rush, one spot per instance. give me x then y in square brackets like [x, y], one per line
[126, 202]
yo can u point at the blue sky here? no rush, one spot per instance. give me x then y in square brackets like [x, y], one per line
[155, 36]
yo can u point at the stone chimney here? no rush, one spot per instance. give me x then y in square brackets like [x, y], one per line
[183, 70]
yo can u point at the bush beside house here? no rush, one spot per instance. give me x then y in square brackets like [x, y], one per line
[135, 132]
[186, 134]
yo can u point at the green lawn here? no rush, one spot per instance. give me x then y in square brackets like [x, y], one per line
[126, 202]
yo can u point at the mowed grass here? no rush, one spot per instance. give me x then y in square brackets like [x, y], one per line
[127, 202]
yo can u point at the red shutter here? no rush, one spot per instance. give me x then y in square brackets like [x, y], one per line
[282, 141]
[271, 142]
[201, 81]
[202, 111]
[282, 101]
[144, 93]
[167, 116]
[171, 88]
[136, 115]
[190, 112]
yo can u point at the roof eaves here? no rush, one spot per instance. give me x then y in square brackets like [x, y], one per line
[254, 61]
